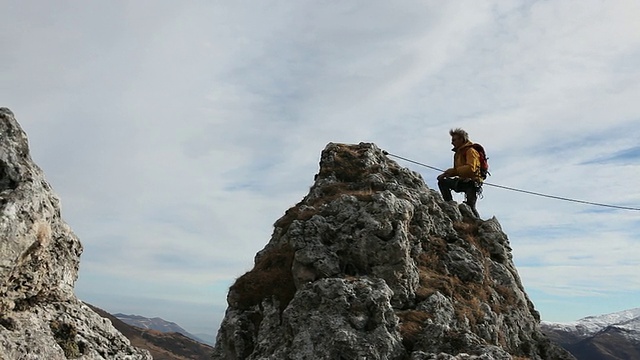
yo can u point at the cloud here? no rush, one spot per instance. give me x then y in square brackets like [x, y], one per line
[176, 134]
[627, 157]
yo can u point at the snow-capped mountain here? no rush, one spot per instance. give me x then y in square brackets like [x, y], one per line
[628, 319]
[602, 337]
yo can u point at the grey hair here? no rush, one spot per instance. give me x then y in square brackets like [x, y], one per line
[458, 131]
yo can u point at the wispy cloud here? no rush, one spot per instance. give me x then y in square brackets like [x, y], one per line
[176, 134]
[628, 156]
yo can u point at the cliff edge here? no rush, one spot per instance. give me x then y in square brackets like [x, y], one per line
[40, 317]
[372, 264]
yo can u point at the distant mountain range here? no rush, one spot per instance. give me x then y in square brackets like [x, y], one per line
[613, 336]
[162, 325]
[170, 343]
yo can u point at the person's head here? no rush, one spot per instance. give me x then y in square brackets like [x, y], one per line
[459, 137]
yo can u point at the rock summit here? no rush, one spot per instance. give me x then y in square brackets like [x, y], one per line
[372, 264]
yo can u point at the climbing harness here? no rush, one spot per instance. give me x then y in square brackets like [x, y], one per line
[523, 191]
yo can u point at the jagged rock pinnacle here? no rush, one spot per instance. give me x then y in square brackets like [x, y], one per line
[372, 264]
[40, 317]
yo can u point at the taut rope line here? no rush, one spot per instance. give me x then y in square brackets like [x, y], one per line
[525, 191]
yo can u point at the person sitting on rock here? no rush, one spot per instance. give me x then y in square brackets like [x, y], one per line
[465, 175]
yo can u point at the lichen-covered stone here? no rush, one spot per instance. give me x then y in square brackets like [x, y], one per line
[40, 317]
[382, 268]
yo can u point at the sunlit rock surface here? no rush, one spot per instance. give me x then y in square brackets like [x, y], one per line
[40, 317]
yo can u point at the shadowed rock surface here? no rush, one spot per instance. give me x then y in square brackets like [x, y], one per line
[372, 264]
[40, 317]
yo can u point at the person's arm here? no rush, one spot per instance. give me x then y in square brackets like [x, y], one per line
[451, 172]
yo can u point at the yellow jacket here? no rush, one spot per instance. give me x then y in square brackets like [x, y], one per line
[466, 163]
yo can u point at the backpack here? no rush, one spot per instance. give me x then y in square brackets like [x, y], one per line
[484, 164]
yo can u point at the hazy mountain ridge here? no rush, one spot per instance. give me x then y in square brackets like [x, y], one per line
[603, 337]
[162, 325]
[162, 345]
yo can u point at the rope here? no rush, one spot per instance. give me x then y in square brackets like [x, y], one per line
[411, 161]
[525, 191]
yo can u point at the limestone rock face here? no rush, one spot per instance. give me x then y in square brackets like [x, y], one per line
[40, 317]
[372, 264]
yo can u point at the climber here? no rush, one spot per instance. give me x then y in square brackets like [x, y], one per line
[465, 175]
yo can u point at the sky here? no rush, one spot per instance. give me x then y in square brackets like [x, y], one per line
[177, 132]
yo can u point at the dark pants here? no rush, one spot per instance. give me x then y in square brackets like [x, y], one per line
[466, 186]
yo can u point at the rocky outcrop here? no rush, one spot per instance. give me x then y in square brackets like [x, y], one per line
[40, 317]
[372, 264]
